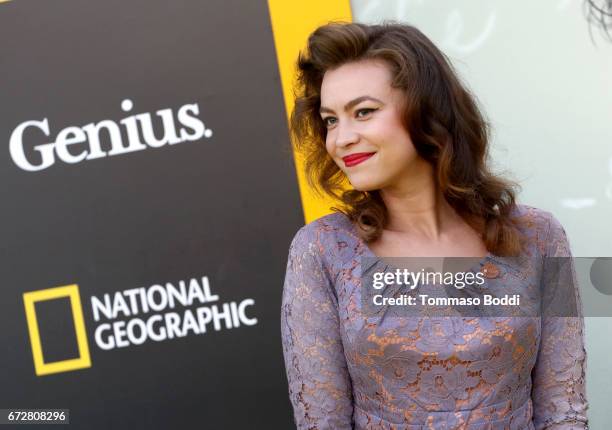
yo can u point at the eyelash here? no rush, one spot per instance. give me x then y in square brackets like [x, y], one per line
[367, 110]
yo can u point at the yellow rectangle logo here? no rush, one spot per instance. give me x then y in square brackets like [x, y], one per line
[72, 292]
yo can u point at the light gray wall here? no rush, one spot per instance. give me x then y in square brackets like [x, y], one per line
[546, 87]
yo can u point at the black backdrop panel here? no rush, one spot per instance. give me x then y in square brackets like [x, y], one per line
[221, 201]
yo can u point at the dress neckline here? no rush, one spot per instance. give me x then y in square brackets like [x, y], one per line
[367, 252]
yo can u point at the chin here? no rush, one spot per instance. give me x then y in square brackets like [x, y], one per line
[364, 185]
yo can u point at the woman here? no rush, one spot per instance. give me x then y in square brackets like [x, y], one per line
[381, 107]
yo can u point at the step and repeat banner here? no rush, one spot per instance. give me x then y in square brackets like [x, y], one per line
[149, 198]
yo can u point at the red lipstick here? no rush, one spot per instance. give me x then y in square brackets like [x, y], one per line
[354, 159]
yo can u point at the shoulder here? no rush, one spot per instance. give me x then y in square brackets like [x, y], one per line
[324, 229]
[539, 227]
[330, 239]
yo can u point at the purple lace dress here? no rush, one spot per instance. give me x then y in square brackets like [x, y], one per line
[347, 371]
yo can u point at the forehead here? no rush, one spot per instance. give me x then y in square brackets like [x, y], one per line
[351, 80]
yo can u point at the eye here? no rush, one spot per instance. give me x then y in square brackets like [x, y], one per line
[329, 121]
[365, 112]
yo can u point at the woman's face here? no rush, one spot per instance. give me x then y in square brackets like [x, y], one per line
[365, 133]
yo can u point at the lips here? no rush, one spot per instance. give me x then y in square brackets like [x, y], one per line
[354, 159]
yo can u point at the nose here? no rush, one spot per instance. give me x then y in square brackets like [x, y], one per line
[345, 135]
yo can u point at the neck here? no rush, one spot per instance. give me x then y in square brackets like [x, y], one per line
[417, 206]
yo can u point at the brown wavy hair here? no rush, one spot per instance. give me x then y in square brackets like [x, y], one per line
[442, 117]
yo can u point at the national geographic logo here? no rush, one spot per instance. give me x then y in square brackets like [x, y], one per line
[126, 318]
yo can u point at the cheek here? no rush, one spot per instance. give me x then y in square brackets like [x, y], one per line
[403, 151]
[399, 138]
[387, 129]
[329, 146]
[397, 150]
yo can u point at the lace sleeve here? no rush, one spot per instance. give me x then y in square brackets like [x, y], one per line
[559, 392]
[319, 383]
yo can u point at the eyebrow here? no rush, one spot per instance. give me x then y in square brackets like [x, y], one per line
[351, 104]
